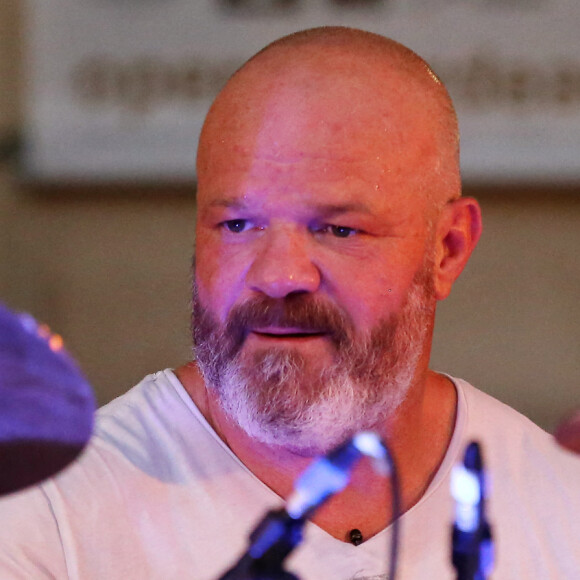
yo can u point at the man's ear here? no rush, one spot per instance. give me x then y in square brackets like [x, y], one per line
[458, 231]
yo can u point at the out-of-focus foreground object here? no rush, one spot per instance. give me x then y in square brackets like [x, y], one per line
[46, 405]
[568, 433]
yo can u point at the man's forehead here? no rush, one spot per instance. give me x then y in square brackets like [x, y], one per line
[332, 113]
[335, 81]
[320, 123]
[318, 104]
[305, 199]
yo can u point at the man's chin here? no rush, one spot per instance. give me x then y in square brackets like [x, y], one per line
[300, 416]
[304, 441]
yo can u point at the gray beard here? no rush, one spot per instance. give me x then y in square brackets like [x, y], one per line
[278, 398]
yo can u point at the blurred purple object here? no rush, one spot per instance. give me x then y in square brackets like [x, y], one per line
[46, 404]
[568, 433]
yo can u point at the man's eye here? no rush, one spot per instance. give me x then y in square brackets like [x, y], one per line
[235, 226]
[342, 231]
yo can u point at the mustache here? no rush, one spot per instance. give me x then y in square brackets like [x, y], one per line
[299, 311]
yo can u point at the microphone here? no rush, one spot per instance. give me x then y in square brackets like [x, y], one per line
[47, 406]
[330, 473]
[280, 531]
[472, 547]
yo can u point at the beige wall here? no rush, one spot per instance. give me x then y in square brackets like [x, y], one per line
[109, 274]
[512, 323]
[109, 270]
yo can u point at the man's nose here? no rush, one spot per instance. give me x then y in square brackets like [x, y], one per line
[283, 265]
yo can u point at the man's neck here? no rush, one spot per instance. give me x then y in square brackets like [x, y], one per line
[418, 439]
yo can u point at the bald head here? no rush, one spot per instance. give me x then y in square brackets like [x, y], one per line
[342, 92]
[378, 51]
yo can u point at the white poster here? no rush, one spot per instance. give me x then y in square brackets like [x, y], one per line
[117, 89]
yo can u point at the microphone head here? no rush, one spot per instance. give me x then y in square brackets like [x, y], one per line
[472, 458]
[46, 404]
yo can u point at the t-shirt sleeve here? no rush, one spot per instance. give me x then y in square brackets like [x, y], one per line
[30, 545]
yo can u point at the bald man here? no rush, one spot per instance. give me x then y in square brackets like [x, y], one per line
[330, 222]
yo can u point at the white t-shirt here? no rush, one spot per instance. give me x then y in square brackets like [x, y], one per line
[158, 495]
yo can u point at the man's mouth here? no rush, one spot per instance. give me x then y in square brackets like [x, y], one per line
[287, 333]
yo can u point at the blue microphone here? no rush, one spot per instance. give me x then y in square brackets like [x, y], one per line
[472, 546]
[330, 473]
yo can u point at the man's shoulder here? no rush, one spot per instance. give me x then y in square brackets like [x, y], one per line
[157, 403]
[148, 424]
[509, 439]
[152, 390]
[152, 433]
[485, 412]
